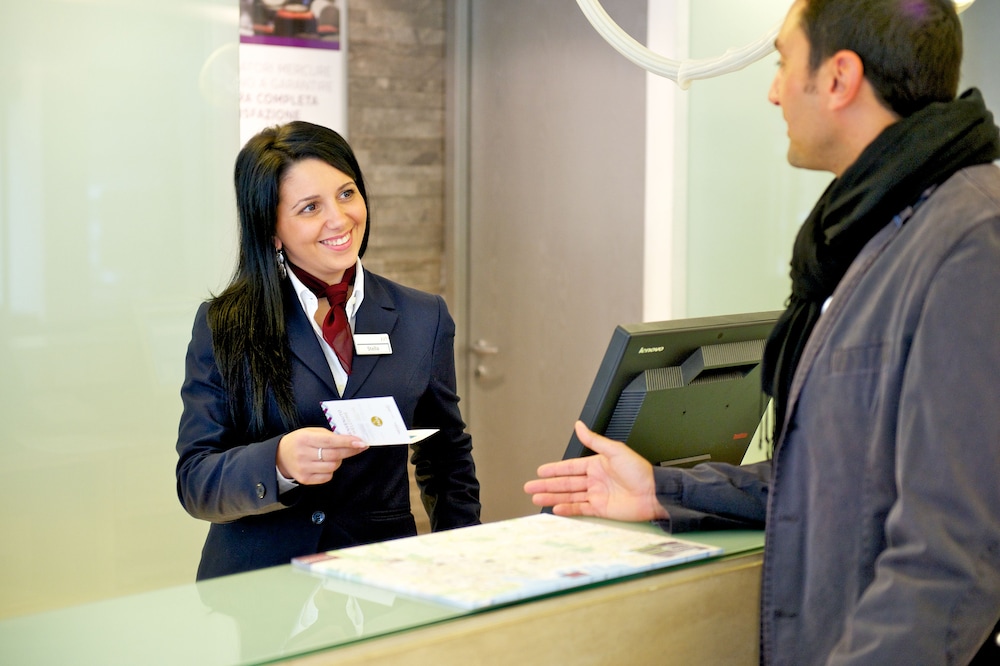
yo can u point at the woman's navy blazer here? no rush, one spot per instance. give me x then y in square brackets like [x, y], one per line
[232, 482]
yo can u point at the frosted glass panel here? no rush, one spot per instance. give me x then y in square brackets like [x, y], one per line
[980, 26]
[118, 128]
[745, 202]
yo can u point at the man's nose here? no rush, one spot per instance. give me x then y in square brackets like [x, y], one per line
[772, 92]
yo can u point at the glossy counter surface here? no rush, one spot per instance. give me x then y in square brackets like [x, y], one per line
[270, 615]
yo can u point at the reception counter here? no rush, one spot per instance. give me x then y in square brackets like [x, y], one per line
[699, 613]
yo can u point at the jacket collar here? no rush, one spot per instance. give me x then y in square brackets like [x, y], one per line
[377, 314]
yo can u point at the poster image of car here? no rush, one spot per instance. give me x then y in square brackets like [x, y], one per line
[292, 64]
[302, 23]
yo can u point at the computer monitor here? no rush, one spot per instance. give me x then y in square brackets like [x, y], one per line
[681, 392]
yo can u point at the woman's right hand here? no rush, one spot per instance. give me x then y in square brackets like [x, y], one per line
[312, 455]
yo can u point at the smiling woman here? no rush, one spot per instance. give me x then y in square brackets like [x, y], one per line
[256, 456]
[322, 219]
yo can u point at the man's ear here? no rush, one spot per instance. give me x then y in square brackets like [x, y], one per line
[847, 75]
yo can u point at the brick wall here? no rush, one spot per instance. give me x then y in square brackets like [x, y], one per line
[396, 78]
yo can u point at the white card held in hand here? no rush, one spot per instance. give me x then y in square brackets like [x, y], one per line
[376, 421]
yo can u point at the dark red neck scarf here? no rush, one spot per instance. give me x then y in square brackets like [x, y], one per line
[336, 327]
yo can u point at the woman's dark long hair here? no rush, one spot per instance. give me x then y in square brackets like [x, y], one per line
[247, 319]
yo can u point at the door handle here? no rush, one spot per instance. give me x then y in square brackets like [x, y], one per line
[483, 348]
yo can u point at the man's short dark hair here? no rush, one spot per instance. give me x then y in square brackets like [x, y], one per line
[911, 49]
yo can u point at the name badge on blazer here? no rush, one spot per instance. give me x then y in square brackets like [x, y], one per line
[372, 344]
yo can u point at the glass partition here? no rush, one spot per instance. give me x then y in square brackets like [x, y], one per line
[745, 203]
[118, 128]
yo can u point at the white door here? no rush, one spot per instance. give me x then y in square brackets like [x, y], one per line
[555, 216]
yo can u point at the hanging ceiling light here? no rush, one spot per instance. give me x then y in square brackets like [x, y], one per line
[685, 71]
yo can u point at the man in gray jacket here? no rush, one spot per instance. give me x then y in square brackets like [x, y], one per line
[882, 498]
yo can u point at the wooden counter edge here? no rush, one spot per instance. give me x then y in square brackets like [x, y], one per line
[705, 614]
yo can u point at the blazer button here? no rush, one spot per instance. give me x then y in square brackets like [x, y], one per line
[261, 491]
[318, 517]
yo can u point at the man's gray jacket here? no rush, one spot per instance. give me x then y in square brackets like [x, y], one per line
[882, 502]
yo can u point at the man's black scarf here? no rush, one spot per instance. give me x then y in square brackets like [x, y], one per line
[907, 158]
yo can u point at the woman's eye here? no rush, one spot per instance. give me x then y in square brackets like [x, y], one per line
[308, 208]
[347, 194]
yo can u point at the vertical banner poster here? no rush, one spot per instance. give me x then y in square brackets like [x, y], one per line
[293, 64]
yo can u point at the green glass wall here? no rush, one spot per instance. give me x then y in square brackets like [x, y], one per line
[744, 202]
[118, 127]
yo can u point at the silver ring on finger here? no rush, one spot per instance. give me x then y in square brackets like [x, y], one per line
[319, 454]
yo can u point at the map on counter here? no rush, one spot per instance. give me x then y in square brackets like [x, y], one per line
[496, 563]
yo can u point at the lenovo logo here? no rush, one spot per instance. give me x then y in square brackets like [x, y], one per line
[650, 350]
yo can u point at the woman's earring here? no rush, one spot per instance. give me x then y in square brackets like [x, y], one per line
[282, 270]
